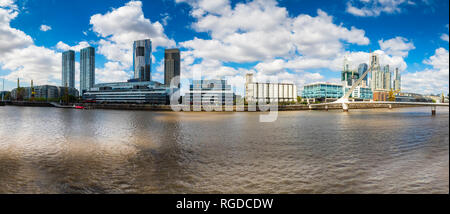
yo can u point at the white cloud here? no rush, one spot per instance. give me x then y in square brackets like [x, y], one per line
[39, 64]
[120, 27]
[284, 47]
[10, 38]
[261, 30]
[375, 7]
[430, 81]
[444, 37]
[20, 56]
[397, 46]
[45, 28]
[8, 4]
[65, 47]
[112, 72]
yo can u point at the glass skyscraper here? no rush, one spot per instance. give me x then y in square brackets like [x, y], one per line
[87, 69]
[171, 66]
[68, 69]
[142, 60]
[362, 68]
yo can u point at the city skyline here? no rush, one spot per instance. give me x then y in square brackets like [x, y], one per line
[216, 50]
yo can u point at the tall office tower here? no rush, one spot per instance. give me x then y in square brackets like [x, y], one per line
[87, 69]
[171, 66]
[376, 74]
[68, 69]
[397, 80]
[362, 68]
[142, 60]
[248, 89]
[387, 77]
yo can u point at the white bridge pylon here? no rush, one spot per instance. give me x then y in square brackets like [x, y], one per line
[344, 100]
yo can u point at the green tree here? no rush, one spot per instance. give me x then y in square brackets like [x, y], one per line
[391, 96]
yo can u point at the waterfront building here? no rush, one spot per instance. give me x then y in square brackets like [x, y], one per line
[129, 92]
[376, 74]
[68, 69]
[412, 97]
[269, 92]
[216, 92]
[380, 95]
[142, 60]
[397, 81]
[3, 94]
[362, 68]
[87, 69]
[46, 92]
[322, 91]
[171, 66]
[360, 92]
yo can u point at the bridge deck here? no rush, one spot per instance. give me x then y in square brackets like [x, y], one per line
[385, 102]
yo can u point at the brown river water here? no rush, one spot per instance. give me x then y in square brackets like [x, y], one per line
[50, 150]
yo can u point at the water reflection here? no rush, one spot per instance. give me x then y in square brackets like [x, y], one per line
[47, 150]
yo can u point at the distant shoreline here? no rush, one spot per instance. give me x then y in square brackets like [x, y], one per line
[167, 108]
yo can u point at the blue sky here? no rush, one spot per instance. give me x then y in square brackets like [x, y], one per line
[300, 41]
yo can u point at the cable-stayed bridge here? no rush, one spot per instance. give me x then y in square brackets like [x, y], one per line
[345, 102]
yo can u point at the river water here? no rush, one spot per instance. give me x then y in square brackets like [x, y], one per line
[50, 150]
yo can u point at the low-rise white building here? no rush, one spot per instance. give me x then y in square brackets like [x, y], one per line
[269, 92]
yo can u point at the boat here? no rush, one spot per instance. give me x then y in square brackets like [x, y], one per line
[79, 107]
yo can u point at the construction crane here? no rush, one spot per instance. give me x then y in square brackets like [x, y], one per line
[32, 92]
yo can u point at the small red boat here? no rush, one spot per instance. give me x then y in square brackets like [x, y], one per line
[79, 107]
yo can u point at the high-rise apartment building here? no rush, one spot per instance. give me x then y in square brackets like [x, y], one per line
[87, 69]
[171, 66]
[142, 60]
[387, 77]
[68, 69]
[397, 80]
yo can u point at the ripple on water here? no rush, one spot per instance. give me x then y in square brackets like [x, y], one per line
[46, 150]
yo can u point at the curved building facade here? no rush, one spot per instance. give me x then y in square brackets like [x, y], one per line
[142, 59]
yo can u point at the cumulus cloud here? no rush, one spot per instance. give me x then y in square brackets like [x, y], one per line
[10, 38]
[45, 28]
[112, 72]
[282, 46]
[120, 27]
[20, 56]
[444, 37]
[397, 46]
[430, 81]
[366, 8]
[65, 47]
[261, 30]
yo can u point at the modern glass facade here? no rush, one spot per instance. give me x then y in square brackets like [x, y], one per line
[171, 66]
[322, 91]
[129, 92]
[142, 59]
[364, 93]
[211, 91]
[362, 68]
[68, 69]
[87, 69]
